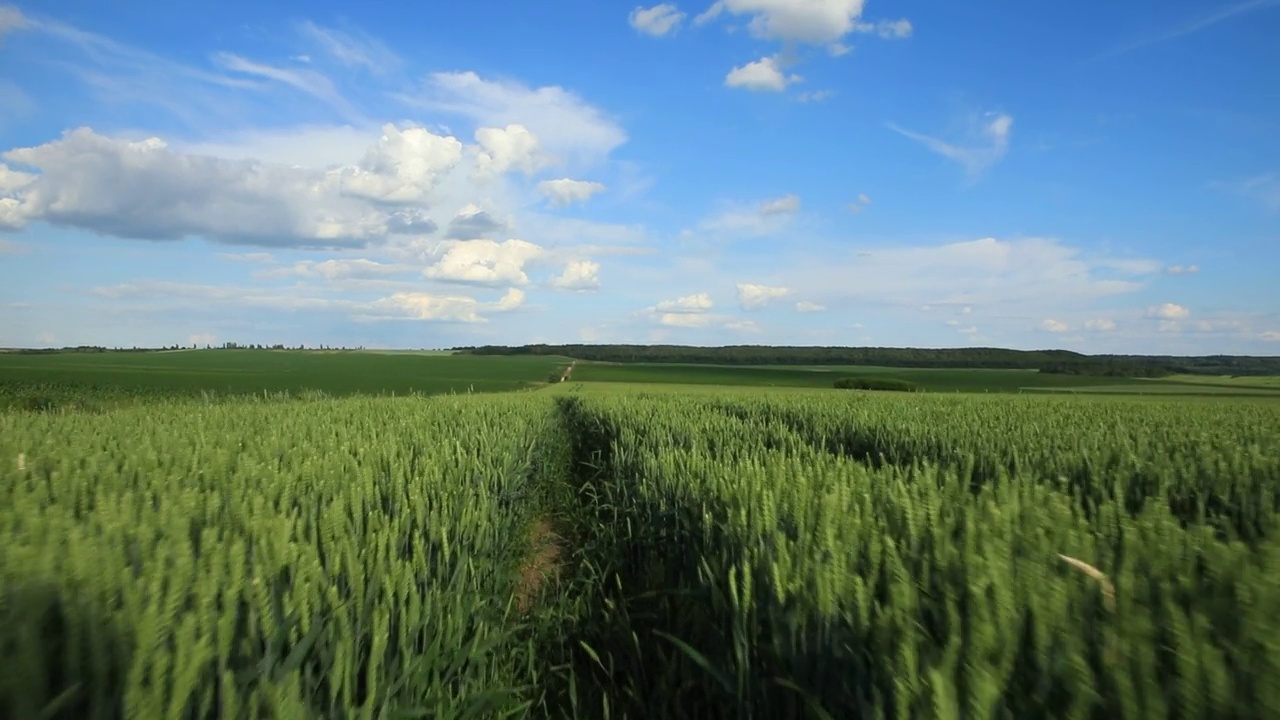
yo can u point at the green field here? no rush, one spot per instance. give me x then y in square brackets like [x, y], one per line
[612, 550]
[133, 376]
[929, 379]
[340, 373]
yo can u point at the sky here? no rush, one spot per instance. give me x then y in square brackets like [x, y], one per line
[1099, 177]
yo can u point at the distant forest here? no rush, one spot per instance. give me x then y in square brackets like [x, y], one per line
[1047, 361]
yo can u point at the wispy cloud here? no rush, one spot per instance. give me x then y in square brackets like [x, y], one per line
[986, 148]
[1187, 27]
[352, 48]
[310, 82]
[1264, 188]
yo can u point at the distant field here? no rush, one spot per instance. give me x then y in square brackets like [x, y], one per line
[256, 371]
[930, 379]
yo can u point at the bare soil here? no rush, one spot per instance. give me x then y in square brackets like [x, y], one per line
[541, 567]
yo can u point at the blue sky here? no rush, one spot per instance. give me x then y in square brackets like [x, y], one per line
[1101, 177]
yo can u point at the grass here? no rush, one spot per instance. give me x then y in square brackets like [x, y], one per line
[929, 379]
[256, 371]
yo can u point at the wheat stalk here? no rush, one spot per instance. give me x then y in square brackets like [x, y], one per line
[1108, 590]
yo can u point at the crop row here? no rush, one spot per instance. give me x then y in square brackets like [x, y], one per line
[811, 583]
[301, 560]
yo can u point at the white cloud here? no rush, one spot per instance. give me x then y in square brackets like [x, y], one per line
[566, 125]
[336, 269]
[1169, 311]
[145, 190]
[578, 275]
[474, 222]
[1131, 266]
[971, 330]
[1270, 336]
[763, 75]
[1054, 326]
[887, 29]
[688, 303]
[762, 218]
[686, 319]
[1100, 325]
[202, 339]
[403, 167]
[784, 205]
[563, 191]
[1182, 269]
[657, 20]
[352, 48]
[11, 18]
[754, 297]
[809, 306]
[816, 21]
[988, 143]
[814, 96]
[502, 149]
[9, 247]
[1025, 276]
[1264, 188]
[304, 80]
[743, 326]
[838, 49]
[484, 262]
[860, 204]
[440, 308]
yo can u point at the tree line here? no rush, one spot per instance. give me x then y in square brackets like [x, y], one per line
[1048, 361]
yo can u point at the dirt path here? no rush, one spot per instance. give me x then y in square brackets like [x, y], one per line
[568, 371]
[541, 567]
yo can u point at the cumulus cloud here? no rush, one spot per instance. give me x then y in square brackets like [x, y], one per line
[658, 20]
[403, 167]
[512, 147]
[987, 144]
[808, 306]
[821, 22]
[763, 75]
[474, 222]
[1182, 269]
[565, 125]
[563, 191]
[860, 204]
[686, 319]
[145, 190]
[578, 275]
[1054, 326]
[485, 262]
[441, 308]
[754, 297]
[688, 303]
[1169, 311]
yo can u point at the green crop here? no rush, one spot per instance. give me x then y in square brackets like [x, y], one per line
[719, 555]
